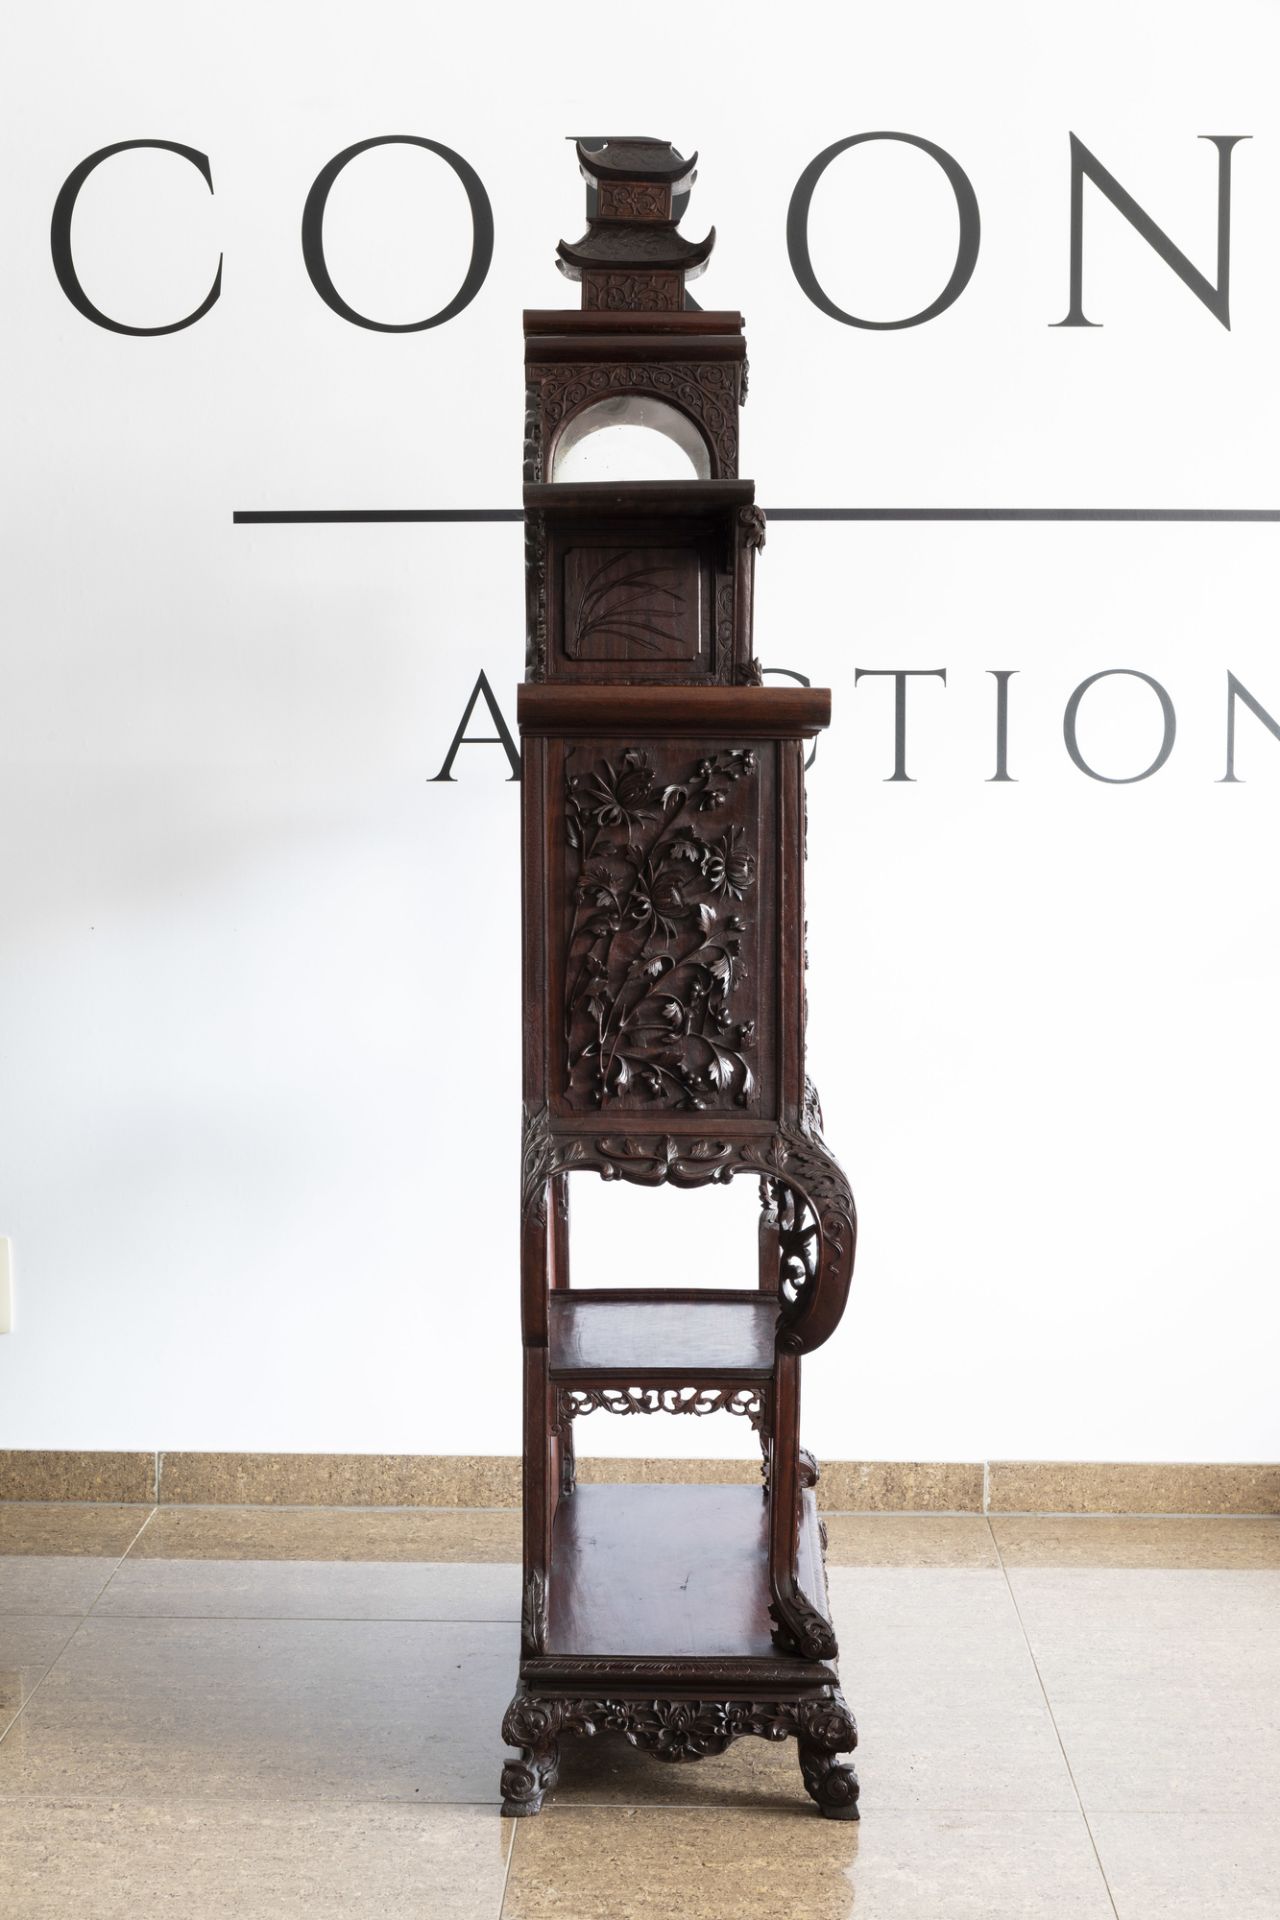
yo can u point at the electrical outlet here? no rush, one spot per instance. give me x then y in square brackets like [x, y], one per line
[6, 1285]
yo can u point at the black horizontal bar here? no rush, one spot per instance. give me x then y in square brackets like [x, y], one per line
[353, 516]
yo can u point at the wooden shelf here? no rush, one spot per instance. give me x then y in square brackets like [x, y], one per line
[681, 1572]
[684, 1335]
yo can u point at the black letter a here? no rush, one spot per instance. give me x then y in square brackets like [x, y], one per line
[502, 738]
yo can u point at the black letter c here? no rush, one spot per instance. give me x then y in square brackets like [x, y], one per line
[60, 237]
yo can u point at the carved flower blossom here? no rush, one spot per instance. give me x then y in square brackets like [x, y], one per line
[726, 869]
[683, 1729]
[617, 796]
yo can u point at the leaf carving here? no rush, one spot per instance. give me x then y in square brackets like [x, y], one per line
[654, 952]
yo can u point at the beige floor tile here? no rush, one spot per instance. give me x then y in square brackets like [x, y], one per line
[909, 1540]
[330, 1533]
[951, 1713]
[278, 1710]
[313, 1590]
[1164, 1685]
[604, 1770]
[56, 1557]
[52, 1583]
[589, 1864]
[1188, 1866]
[28, 1648]
[246, 1861]
[1136, 1541]
[48, 1527]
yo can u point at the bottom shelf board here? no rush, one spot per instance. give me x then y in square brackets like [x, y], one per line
[669, 1571]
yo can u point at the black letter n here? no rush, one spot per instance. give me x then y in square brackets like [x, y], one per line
[1216, 298]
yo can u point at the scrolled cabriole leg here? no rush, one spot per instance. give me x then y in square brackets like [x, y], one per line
[827, 1729]
[533, 1726]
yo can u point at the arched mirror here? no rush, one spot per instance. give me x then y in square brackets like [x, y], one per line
[631, 436]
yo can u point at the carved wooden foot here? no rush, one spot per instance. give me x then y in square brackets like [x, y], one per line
[832, 1783]
[532, 1727]
[827, 1728]
[526, 1780]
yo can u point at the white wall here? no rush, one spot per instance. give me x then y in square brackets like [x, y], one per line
[258, 977]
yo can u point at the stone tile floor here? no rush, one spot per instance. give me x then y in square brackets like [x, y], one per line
[270, 1713]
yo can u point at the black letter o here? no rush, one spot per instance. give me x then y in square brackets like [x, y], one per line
[60, 237]
[1073, 745]
[481, 225]
[966, 252]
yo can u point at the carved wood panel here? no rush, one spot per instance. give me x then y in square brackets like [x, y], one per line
[629, 603]
[667, 965]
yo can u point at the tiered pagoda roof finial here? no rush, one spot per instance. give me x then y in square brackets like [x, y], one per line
[631, 259]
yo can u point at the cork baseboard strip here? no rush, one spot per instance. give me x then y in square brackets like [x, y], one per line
[57, 1474]
[493, 1480]
[1048, 1486]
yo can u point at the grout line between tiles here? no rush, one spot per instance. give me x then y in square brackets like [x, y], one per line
[1053, 1720]
[316, 1619]
[8, 1729]
[511, 1854]
[114, 1571]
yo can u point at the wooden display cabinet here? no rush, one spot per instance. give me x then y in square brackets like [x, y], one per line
[664, 1011]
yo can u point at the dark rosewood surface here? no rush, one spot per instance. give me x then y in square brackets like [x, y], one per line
[666, 1571]
[679, 1333]
[663, 1041]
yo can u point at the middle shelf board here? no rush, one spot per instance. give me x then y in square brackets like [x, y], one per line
[710, 1336]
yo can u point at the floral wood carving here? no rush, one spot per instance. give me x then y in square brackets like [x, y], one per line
[542, 1155]
[535, 564]
[655, 967]
[633, 200]
[805, 1630]
[752, 519]
[706, 390]
[723, 672]
[682, 1730]
[632, 292]
[573, 1402]
[533, 1613]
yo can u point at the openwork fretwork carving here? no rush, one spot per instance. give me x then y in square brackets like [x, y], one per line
[573, 1402]
[655, 953]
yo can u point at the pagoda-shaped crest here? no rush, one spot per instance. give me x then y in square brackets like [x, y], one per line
[632, 259]
[634, 576]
